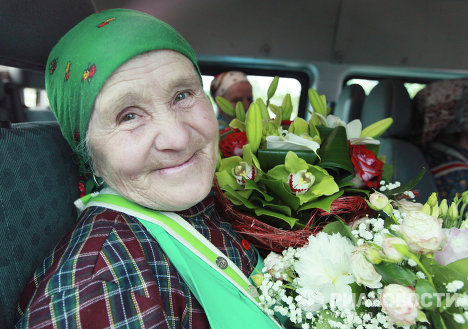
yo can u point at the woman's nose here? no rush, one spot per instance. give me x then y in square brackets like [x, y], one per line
[173, 135]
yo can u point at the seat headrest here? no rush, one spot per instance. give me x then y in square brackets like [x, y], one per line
[2, 90]
[389, 98]
[350, 102]
[442, 106]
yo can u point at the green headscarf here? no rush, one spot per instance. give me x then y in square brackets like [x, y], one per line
[83, 59]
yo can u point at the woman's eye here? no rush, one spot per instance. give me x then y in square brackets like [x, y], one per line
[181, 96]
[128, 117]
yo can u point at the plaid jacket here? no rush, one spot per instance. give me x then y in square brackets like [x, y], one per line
[109, 272]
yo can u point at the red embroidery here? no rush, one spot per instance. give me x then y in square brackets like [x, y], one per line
[106, 22]
[89, 72]
[245, 244]
[67, 71]
[76, 137]
[52, 66]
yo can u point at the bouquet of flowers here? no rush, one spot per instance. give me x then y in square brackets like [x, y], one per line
[405, 267]
[280, 180]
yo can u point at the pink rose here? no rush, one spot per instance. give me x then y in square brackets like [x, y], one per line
[455, 246]
[400, 303]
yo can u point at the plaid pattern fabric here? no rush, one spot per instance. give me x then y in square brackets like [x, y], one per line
[109, 272]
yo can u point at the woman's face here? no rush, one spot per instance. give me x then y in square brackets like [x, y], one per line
[153, 133]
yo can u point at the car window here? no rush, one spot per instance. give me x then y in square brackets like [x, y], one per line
[368, 84]
[260, 86]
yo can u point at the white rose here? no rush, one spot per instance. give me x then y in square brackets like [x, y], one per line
[363, 271]
[422, 232]
[407, 206]
[400, 303]
[394, 248]
[378, 200]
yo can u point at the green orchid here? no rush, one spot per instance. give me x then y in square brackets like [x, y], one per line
[297, 182]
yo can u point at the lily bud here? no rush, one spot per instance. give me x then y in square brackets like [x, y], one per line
[435, 211]
[465, 197]
[443, 208]
[453, 212]
[432, 200]
[426, 209]
[464, 224]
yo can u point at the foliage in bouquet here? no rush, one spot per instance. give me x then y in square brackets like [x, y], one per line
[407, 267]
[282, 169]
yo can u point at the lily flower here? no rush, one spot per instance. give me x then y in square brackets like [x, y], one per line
[290, 141]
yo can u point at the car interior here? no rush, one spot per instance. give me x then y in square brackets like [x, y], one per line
[368, 57]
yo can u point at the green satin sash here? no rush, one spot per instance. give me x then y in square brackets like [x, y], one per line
[226, 295]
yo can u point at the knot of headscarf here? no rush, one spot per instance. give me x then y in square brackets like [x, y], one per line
[85, 57]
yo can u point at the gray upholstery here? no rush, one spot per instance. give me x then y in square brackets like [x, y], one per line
[389, 98]
[37, 188]
[350, 103]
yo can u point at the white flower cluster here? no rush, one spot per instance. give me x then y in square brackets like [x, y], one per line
[389, 186]
[370, 230]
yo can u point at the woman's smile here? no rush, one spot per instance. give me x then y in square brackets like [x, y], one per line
[177, 168]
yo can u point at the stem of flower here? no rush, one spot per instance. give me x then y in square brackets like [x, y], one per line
[421, 266]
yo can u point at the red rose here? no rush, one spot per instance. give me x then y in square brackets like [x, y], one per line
[366, 165]
[232, 144]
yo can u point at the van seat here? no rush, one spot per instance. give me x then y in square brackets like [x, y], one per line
[350, 102]
[39, 182]
[389, 98]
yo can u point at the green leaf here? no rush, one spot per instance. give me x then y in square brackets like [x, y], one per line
[225, 106]
[334, 150]
[272, 87]
[287, 107]
[427, 294]
[394, 273]
[277, 187]
[322, 202]
[290, 220]
[237, 195]
[273, 158]
[444, 274]
[407, 186]
[240, 111]
[254, 127]
[237, 124]
[275, 207]
[387, 173]
[251, 185]
[340, 227]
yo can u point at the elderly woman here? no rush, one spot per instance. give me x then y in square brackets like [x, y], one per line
[126, 90]
[234, 87]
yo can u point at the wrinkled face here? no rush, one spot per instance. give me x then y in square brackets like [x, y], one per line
[240, 92]
[153, 134]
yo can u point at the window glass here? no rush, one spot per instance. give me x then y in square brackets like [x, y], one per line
[35, 98]
[260, 86]
[368, 84]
